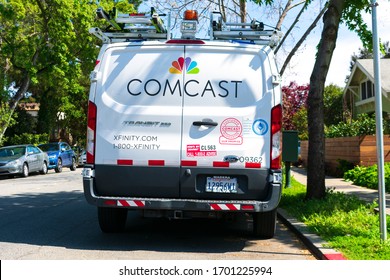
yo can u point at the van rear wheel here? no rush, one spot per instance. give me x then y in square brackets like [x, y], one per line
[112, 219]
[264, 224]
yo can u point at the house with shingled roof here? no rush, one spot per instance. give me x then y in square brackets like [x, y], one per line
[359, 93]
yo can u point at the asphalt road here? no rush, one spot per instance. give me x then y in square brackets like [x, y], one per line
[45, 217]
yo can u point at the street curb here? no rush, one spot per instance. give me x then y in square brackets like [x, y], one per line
[314, 243]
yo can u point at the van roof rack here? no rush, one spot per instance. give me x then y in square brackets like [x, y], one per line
[129, 27]
[252, 32]
[134, 27]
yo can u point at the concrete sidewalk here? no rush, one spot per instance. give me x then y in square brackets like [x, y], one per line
[315, 244]
[341, 185]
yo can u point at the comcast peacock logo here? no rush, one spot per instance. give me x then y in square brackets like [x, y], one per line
[184, 65]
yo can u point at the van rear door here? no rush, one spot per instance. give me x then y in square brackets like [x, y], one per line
[139, 121]
[226, 120]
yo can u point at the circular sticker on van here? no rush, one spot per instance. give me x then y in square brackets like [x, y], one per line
[231, 128]
[260, 127]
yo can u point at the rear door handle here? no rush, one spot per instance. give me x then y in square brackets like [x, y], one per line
[205, 123]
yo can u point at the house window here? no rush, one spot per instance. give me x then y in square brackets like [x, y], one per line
[367, 90]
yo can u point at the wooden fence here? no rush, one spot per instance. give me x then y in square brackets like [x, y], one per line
[358, 150]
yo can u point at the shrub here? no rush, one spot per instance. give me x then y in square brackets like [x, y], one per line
[363, 125]
[28, 138]
[367, 176]
[299, 120]
[343, 166]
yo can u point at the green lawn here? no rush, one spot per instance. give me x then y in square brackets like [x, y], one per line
[348, 224]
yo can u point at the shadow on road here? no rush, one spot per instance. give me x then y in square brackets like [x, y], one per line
[64, 219]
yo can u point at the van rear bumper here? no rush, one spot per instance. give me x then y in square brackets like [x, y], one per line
[142, 203]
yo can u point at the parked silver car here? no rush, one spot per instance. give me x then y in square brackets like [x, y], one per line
[22, 160]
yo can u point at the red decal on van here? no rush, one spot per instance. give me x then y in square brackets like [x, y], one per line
[252, 165]
[124, 162]
[156, 162]
[220, 164]
[189, 163]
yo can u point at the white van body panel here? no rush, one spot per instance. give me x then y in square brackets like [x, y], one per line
[147, 113]
[231, 92]
[131, 123]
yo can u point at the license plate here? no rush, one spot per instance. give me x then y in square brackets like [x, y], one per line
[221, 184]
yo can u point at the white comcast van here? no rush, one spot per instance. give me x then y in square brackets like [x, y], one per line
[184, 128]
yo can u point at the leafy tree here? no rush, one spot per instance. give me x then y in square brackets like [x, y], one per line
[26, 123]
[29, 138]
[300, 122]
[6, 118]
[364, 124]
[333, 105]
[295, 107]
[338, 11]
[386, 48]
[47, 52]
[42, 41]
[294, 98]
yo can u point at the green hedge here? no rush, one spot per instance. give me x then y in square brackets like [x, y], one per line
[363, 125]
[367, 176]
[28, 138]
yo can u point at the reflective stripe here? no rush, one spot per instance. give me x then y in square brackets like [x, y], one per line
[224, 206]
[156, 162]
[189, 163]
[131, 203]
[220, 164]
[223, 164]
[125, 162]
[252, 165]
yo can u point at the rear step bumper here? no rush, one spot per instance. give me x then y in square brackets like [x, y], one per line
[139, 203]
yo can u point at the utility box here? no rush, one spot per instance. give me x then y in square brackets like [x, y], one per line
[290, 146]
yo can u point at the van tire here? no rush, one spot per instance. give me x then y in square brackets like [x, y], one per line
[112, 219]
[264, 224]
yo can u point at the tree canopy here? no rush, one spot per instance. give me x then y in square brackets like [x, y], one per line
[46, 51]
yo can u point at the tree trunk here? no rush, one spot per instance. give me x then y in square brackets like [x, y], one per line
[23, 87]
[15, 100]
[315, 111]
[243, 10]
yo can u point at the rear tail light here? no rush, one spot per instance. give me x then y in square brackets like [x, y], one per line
[247, 207]
[91, 132]
[276, 134]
